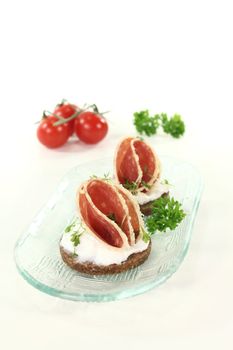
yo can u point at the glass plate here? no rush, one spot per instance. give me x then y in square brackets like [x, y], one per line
[37, 253]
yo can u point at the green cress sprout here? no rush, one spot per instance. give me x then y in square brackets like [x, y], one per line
[76, 234]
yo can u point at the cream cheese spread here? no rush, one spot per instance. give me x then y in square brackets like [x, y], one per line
[155, 192]
[94, 250]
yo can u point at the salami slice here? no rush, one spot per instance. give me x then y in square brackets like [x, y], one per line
[106, 198]
[134, 211]
[137, 163]
[148, 161]
[98, 224]
[110, 212]
[127, 163]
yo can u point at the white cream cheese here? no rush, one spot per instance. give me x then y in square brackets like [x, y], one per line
[92, 249]
[155, 192]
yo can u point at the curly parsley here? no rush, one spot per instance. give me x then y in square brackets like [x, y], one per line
[173, 126]
[149, 124]
[166, 213]
[145, 123]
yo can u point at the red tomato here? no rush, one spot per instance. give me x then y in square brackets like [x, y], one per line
[66, 110]
[90, 127]
[52, 136]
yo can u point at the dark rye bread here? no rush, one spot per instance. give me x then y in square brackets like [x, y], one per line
[146, 208]
[89, 268]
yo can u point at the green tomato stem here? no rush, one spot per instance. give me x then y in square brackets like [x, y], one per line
[73, 116]
[54, 115]
[63, 121]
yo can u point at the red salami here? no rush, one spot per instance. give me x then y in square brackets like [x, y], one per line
[98, 224]
[133, 209]
[148, 162]
[127, 165]
[110, 212]
[136, 163]
[105, 197]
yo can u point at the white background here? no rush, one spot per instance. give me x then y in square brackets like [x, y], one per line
[171, 56]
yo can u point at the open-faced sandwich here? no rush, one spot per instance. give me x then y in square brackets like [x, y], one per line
[108, 236]
[138, 169]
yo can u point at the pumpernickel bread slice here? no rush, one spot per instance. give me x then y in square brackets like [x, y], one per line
[146, 208]
[89, 268]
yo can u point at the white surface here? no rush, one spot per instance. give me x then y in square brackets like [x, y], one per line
[171, 56]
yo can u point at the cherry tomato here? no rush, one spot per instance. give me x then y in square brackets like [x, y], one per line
[50, 135]
[66, 110]
[90, 127]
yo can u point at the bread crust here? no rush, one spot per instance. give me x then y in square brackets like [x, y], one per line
[146, 208]
[89, 268]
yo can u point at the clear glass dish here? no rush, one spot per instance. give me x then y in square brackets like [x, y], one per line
[37, 253]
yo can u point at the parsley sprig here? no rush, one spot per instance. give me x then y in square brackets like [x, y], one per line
[166, 213]
[173, 126]
[148, 125]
